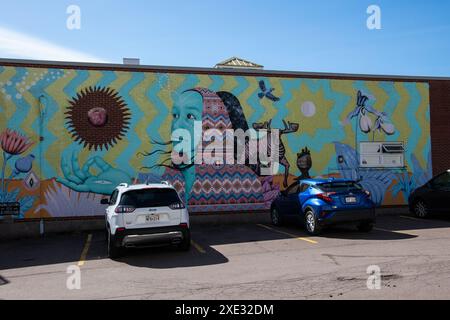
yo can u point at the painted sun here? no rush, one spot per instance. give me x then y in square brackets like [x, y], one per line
[97, 118]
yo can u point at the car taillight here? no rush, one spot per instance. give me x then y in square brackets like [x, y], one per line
[124, 209]
[326, 196]
[183, 225]
[176, 206]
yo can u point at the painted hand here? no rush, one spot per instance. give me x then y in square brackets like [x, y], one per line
[82, 180]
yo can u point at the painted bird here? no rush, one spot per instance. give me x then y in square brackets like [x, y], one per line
[267, 93]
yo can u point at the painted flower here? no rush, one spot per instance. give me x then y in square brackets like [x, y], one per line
[365, 123]
[382, 124]
[359, 109]
[14, 143]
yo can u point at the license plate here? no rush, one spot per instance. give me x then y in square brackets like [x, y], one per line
[350, 200]
[152, 218]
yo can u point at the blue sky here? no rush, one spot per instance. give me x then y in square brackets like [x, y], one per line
[320, 36]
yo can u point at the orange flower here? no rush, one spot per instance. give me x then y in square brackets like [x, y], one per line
[14, 143]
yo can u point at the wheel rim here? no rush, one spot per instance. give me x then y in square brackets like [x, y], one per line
[275, 218]
[421, 209]
[310, 222]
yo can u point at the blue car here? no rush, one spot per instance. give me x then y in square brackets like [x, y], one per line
[323, 202]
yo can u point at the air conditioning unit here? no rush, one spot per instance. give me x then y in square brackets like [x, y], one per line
[381, 155]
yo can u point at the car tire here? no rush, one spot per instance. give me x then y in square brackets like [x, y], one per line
[275, 217]
[185, 245]
[365, 226]
[312, 225]
[114, 252]
[421, 209]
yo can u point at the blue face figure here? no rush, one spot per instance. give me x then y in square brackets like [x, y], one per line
[187, 109]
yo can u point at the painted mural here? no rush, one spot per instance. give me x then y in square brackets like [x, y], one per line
[68, 137]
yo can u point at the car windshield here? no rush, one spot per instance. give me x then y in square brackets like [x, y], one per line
[147, 198]
[340, 187]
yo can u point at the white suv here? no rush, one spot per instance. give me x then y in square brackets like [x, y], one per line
[146, 215]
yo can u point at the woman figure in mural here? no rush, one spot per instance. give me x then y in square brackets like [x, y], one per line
[304, 163]
[207, 184]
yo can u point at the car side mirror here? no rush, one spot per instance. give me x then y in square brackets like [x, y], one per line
[104, 201]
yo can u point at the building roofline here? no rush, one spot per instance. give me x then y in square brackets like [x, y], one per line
[249, 64]
[215, 71]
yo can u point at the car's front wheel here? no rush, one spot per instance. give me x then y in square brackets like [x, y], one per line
[311, 223]
[275, 217]
[421, 209]
[114, 252]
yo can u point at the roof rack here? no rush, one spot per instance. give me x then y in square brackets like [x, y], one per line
[125, 185]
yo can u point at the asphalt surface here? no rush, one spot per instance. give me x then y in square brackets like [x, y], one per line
[248, 261]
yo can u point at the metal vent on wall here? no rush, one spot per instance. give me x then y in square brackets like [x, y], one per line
[393, 148]
[382, 155]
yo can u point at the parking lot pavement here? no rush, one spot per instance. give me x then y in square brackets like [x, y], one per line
[248, 261]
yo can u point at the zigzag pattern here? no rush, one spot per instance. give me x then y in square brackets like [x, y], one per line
[220, 118]
[229, 184]
[219, 185]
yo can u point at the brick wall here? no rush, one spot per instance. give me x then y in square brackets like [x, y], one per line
[440, 124]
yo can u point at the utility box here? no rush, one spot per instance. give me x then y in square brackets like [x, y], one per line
[382, 155]
[132, 61]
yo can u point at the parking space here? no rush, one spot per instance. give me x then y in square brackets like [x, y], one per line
[248, 261]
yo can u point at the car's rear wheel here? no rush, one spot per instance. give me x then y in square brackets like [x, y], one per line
[365, 226]
[311, 223]
[421, 209]
[275, 217]
[185, 244]
[114, 252]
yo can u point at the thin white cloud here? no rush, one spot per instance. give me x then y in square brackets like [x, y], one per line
[21, 46]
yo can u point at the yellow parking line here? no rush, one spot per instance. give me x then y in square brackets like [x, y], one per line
[288, 234]
[198, 247]
[85, 251]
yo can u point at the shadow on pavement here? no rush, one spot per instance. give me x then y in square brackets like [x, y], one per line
[206, 237]
[347, 232]
[170, 257]
[392, 227]
[67, 248]
[52, 249]
[409, 222]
